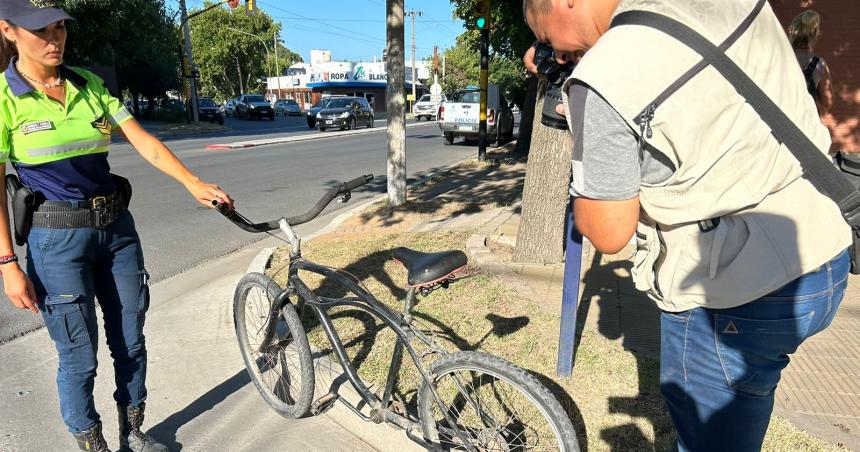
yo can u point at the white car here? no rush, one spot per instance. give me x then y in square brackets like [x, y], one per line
[426, 107]
[287, 107]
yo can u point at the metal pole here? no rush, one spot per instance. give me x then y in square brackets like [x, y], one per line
[412, 14]
[277, 66]
[482, 125]
[195, 117]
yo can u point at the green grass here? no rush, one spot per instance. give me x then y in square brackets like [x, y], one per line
[613, 399]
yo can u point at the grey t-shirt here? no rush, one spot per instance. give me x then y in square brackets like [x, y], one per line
[606, 161]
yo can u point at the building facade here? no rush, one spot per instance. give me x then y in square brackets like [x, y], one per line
[308, 83]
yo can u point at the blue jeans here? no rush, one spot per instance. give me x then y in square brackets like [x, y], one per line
[70, 268]
[719, 367]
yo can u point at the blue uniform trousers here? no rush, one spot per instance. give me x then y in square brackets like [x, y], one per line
[719, 367]
[70, 269]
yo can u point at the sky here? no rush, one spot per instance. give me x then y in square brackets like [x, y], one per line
[354, 30]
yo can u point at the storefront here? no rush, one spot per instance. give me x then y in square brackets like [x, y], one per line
[368, 80]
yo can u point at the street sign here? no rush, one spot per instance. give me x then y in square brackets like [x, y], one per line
[410, 98]
[435, 89]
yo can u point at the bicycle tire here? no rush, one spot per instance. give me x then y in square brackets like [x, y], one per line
[292, 401]
[435, 427]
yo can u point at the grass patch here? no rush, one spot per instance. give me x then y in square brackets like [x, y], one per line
[613, 400]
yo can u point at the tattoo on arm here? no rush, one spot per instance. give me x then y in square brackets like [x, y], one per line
[155, 157]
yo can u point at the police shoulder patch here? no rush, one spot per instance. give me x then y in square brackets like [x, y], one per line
[37, 126]
[102, 125]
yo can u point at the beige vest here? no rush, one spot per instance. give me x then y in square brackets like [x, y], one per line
[774, 226]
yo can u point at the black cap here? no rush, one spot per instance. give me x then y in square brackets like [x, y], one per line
[32, 14]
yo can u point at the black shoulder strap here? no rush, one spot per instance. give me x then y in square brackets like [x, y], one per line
[810, 68]
[817, 167]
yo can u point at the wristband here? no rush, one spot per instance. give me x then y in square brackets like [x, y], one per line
[8, 259]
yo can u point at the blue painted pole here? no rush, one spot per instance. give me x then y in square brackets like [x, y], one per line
[569, 297]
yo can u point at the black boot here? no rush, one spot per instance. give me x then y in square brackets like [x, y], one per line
[131, 438]
[92, 440]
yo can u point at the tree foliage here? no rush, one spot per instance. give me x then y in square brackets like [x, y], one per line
[509, 34]
[462, 63]
[145, 55]
[222, 53]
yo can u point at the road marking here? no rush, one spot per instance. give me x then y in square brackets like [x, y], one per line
[306, 137]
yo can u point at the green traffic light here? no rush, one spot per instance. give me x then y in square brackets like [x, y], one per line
[481, 22]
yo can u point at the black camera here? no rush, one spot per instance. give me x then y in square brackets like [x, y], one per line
[555, 75]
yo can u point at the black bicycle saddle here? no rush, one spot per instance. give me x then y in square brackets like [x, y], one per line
[428, 268]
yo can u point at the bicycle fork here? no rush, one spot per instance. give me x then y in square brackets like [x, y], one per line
[272, 324]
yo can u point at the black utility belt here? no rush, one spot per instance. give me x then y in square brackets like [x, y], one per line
[98, 212]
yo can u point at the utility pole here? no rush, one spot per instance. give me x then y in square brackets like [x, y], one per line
[396, 74]
[277, 67]
[195, 117]
[412, 13]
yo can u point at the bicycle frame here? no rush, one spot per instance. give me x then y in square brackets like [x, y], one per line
[400, 324]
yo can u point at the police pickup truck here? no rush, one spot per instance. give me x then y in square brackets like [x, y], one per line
[459, 116]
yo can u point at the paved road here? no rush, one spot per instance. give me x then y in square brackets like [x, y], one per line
[266, 182]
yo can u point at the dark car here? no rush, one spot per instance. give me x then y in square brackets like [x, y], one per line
[208, 110]
[345, 113]
[317, 107]
[254, 106]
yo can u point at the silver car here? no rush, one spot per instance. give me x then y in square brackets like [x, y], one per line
[287, 107]
[230, 108]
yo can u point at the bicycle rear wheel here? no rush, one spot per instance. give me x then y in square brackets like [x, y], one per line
[284, 372]
[496, 405]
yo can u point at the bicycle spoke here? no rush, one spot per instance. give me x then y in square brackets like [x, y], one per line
[477, 402]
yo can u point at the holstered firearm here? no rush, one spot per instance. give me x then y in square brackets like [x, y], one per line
[23, 205]
[123, 186]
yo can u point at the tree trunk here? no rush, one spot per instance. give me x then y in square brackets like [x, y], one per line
[394, 94]
[540, 239]
[527, 117]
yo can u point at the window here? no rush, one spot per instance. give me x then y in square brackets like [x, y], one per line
[424, 98]
[255, 98]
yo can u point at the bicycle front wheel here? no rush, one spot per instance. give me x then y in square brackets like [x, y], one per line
[283, 372]
[495, 406]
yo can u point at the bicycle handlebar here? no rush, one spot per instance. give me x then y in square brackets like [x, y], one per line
[344, 188]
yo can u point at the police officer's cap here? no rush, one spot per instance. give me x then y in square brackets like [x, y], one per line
[32, 14]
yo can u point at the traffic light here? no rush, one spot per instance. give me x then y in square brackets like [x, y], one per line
[482, 14]
[250, 7]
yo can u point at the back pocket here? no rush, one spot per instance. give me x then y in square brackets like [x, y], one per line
[753, 352]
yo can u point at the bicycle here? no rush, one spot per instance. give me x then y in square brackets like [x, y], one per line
[467, 400]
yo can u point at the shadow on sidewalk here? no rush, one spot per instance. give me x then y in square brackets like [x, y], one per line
[165, 431]
[627, 315]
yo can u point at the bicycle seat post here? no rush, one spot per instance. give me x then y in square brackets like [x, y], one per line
[292, 236]
[407, 304]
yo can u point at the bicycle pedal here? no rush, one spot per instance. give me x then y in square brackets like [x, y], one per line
[324, 403]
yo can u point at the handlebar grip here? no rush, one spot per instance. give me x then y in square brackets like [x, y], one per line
[355, 183]
[222, 207]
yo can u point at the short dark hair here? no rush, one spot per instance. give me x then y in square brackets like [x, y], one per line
[536, 6]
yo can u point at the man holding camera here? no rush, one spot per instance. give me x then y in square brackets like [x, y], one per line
[745, 258]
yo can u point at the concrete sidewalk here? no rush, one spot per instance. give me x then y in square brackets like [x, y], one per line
[200, 397]
[819, 391]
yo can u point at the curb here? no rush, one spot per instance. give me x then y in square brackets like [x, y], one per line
[304, 137]
[476, 245]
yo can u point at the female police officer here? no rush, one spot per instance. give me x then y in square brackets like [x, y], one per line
[55, 125]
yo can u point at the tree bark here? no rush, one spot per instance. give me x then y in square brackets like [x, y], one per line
[540, 239]
[394, 97]
[524, 137]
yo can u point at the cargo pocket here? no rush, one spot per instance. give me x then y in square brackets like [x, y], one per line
[143, 292]
[753, 352]
[66, 320]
